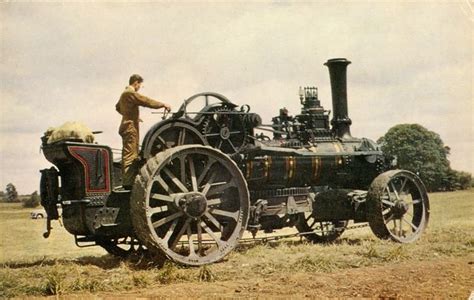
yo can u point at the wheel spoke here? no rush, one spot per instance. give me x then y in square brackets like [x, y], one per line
[199, 235]
[410, 223]
[212, 134]
[182, 164]
[213, 220]
[205, 170]
[162, 141]
[215, 201]
[222, 186]
[220, 144]
[167, 219]
[312, 224]
[176, 181]
[394, 190]
[403, 185]
[322, 228]
[212, 235]
[192, 171]
[232, 145]
[414, 202]
[158, 209]
[400, 231]
[387, 220]
[192, 252]
[170, 231]
[163, 184]
[389, 203]
[161, 197]
[181, 137]
[384, 212]
[388, 193]
[225, 213]
[180, 233]
[207, 186]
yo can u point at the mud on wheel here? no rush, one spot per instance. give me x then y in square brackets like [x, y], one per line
[190, 203]
[398, 206]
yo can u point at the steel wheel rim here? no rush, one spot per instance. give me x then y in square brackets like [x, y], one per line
[404, 207]
[197, 233]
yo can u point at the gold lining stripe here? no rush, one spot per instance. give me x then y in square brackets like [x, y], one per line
[338, 159]
[249, 169]
[267, 164]
[338, 147]
[291, 167]
[316, 162]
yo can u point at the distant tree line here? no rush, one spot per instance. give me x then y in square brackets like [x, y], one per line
[421, 151]
[11, 195]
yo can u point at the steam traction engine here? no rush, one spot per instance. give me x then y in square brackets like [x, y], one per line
[206, 176]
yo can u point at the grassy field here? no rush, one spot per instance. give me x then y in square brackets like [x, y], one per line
[32, 265]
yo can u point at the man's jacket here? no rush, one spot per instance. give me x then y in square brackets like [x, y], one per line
[128, 105]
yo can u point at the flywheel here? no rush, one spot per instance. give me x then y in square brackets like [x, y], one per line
[190, 203]
[224, 130]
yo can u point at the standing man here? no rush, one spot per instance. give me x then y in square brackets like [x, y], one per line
[128, 107]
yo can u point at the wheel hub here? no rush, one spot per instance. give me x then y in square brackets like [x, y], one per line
[225, 133]
[193, 204]
[399, 209]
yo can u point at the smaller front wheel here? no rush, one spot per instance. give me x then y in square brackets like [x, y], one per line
[398, 206]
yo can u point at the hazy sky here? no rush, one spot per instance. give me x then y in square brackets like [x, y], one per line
[411, 63]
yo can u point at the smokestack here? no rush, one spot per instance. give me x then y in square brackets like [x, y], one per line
[340, 121]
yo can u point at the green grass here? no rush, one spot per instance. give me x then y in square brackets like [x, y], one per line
[32, 265]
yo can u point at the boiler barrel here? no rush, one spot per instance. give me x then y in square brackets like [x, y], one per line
[288, 171]
[334, 170]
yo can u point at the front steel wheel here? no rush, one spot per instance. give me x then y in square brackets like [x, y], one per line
[398, 206]
[190, 203]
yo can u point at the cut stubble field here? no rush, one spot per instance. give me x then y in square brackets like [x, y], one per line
[440, 264]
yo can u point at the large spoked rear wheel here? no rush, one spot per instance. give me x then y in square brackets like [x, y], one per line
[398, 206]
[190, 203]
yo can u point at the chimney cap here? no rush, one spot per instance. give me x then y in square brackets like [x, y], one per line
[337, 60]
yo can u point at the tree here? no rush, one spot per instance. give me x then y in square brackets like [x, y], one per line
[459, 180]
[33, 201]
[420, 151]
[12, 194]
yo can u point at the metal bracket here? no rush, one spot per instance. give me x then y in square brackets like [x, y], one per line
[106, 216]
